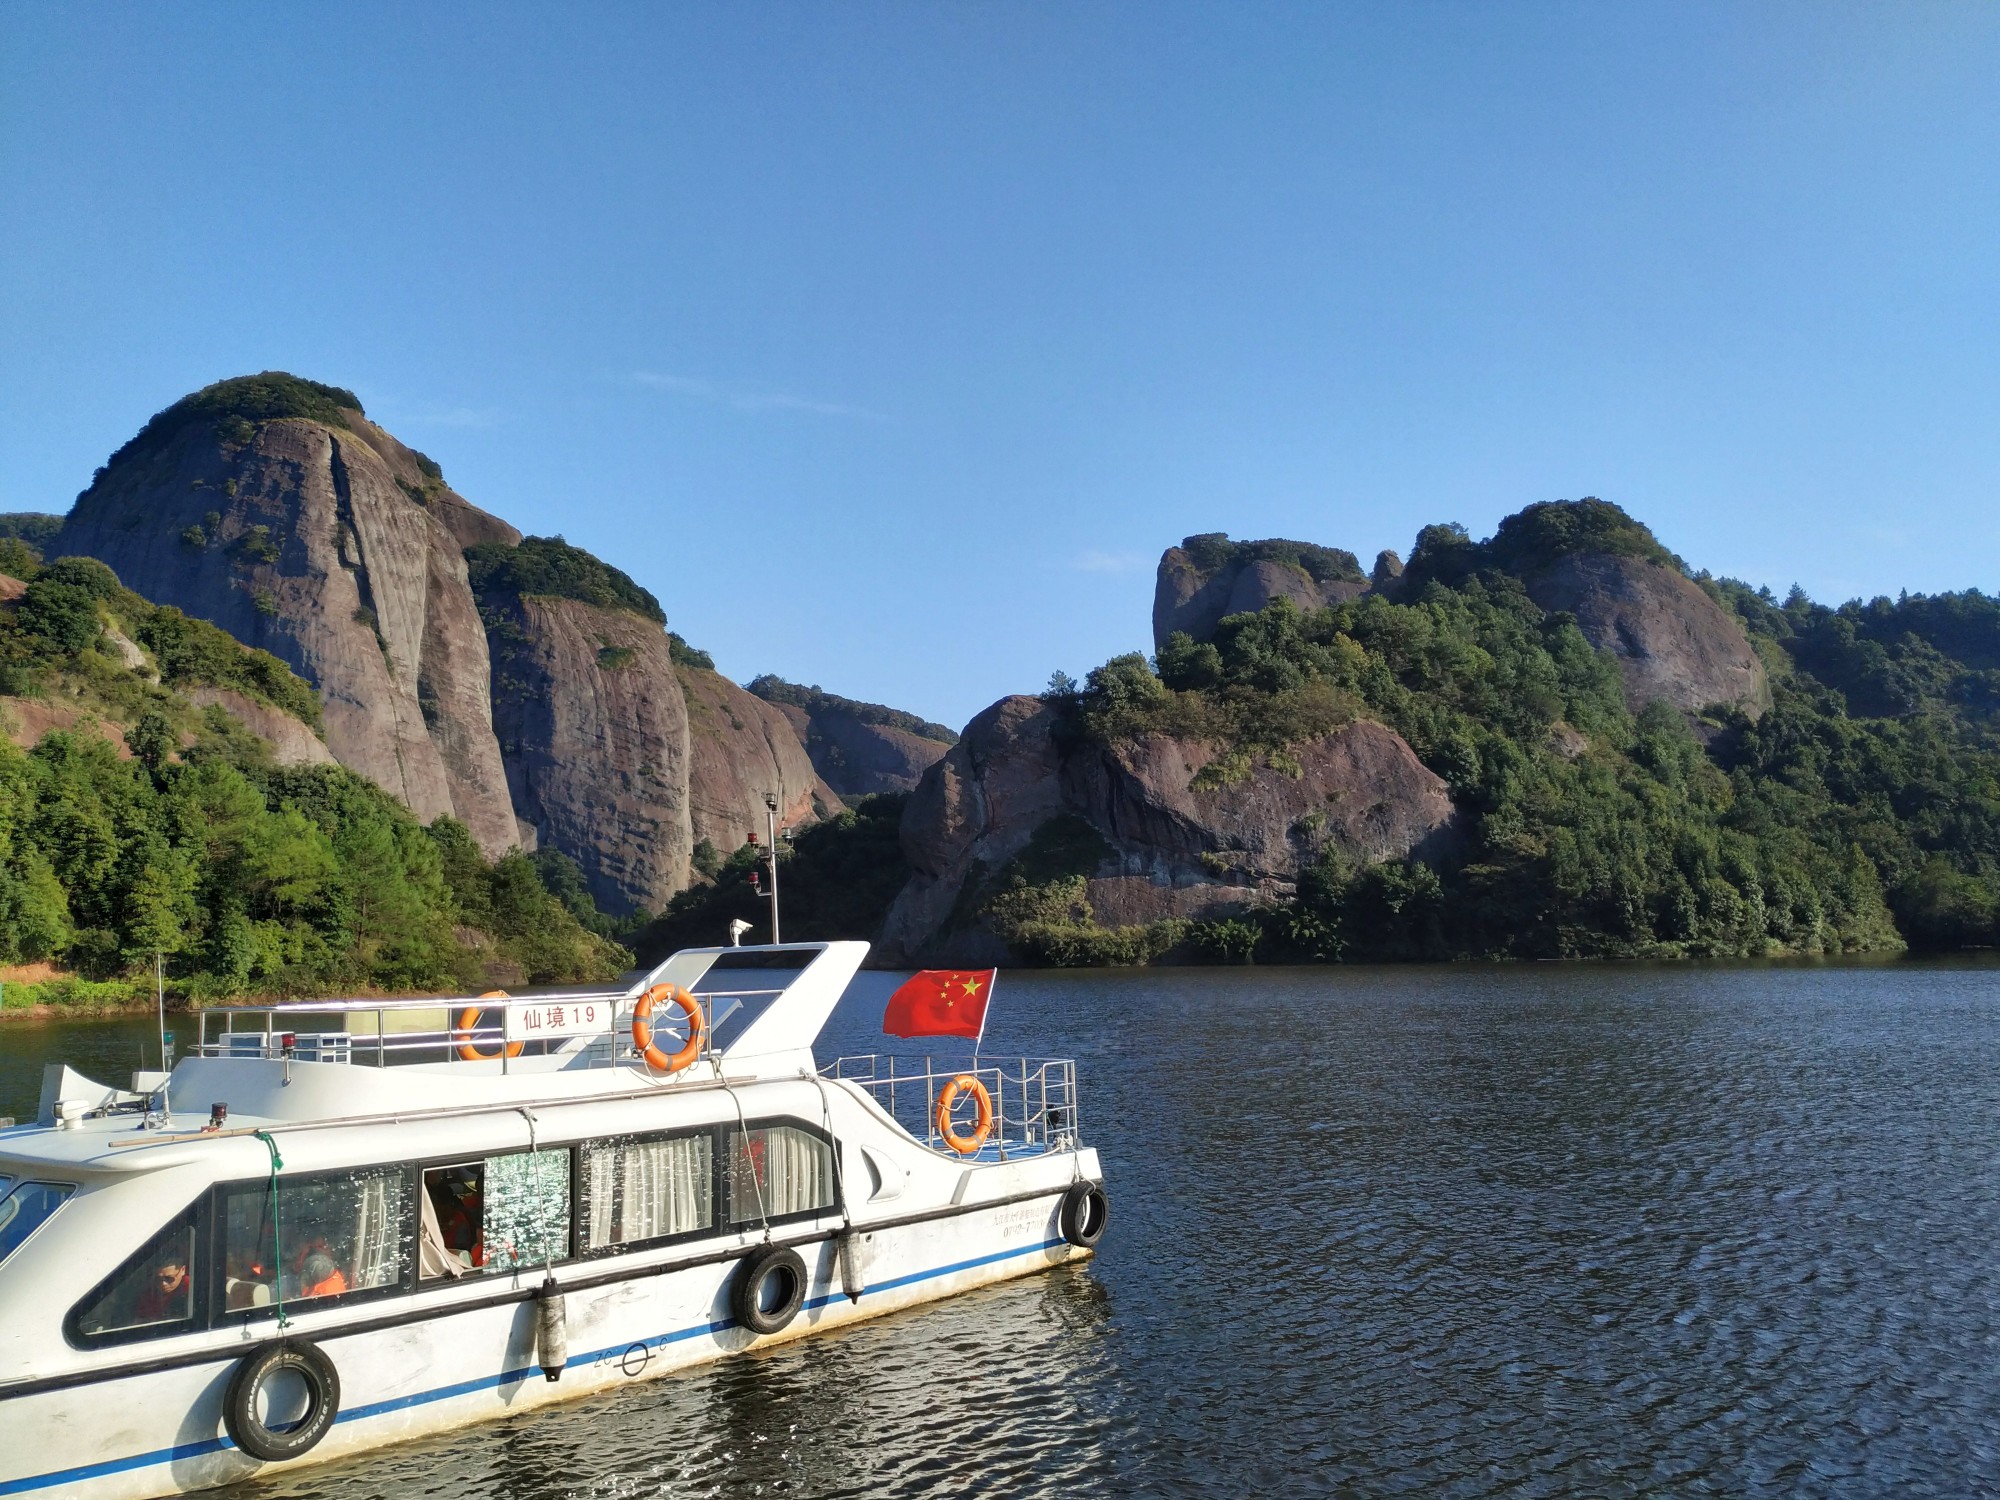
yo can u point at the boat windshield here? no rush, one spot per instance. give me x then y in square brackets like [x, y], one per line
[25, 1208]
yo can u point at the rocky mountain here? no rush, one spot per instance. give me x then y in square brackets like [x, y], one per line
[1629, 596]
[516, 684]
[276, 510]
[741, 748]
[1146, 837]
[1208, 577]
[858, 748]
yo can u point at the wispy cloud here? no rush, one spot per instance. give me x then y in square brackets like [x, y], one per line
[1110, 562]
[738, 399]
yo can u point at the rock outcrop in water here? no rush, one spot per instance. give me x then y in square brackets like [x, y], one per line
[1150, 836]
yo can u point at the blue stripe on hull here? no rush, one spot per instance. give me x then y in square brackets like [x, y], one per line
[486, 1383]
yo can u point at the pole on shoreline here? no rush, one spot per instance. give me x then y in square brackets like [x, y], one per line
[771, 821]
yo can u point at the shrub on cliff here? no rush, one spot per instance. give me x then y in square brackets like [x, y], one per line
[813, 699]
[237, 405]
[550, 567]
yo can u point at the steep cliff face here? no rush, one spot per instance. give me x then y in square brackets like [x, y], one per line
[1673, 643]
[857, 748]
[595, 733]
[974, 810]
[315, 538]
[1208, 577]
[1163, 846]
[739, 748]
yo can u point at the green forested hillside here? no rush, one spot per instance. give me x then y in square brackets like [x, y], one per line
[152, 825]
[1862, 812]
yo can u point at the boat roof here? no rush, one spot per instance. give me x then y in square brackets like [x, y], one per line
[362, 1061]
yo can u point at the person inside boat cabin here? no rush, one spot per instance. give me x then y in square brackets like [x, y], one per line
[164, 1297]
[458, 1209]
[322, 1278]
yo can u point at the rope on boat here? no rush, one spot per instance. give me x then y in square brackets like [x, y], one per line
[277, 1242]
[743, 1126]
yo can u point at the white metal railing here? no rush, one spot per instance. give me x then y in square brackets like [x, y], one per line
[1034, 1100]
[585, 1028]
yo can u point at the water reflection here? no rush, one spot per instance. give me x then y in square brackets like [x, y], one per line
[1001, 1389]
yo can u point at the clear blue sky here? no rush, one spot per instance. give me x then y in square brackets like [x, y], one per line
[889, 344]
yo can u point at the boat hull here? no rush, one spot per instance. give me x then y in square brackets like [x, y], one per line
[132, 1436]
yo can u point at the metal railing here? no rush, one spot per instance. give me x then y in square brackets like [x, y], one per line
[579, 1027]
[585, 1029]
[1035, 1105]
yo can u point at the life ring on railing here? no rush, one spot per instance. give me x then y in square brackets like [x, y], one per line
[965, 1083]
[468, 1021]
[642, 1028]
[243, 1406]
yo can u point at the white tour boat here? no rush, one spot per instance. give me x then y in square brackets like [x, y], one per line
[341, 1224]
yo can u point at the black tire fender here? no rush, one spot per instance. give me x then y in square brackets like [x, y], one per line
[754, 1274]
[239, 1404]
[1085, 1212]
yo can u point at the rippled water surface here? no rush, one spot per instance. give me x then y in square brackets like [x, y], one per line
[1529, 1231]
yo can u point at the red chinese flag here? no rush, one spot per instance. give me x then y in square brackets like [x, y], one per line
[940, 1002]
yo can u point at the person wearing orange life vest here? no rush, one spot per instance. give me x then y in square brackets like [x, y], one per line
[322, 1278]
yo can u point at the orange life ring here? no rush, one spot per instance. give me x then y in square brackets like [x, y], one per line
[468, 1020]
[964, 1145]
[642, 1028]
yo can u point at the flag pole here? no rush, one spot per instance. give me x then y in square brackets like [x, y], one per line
[992, 983]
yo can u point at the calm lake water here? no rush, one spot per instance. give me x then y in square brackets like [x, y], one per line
[1476, 1231]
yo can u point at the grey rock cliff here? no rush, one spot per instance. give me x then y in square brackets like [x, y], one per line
[857, 758]
[1673, 643]
[300, 539]
[1207, 578]
[595, 732]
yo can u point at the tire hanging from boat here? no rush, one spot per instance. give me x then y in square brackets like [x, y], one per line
[1085, 1212]
[753, 1273]
[965, 1083]
[468, 1022]
[247, 1428]
[642, 1028]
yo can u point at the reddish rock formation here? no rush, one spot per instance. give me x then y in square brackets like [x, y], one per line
[315, 541]
[595, 733]
[739, 748]
[292, 743]
[1170, 849]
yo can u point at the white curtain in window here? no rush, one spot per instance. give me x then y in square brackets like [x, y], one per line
[797, 1177]
[642, 1190]
[378, 1235]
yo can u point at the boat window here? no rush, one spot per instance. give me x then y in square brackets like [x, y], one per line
[25, 1209]
[496, 1214]
[640, 1190]
[333, 1234]
[777, 1171]
[153, 1293]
